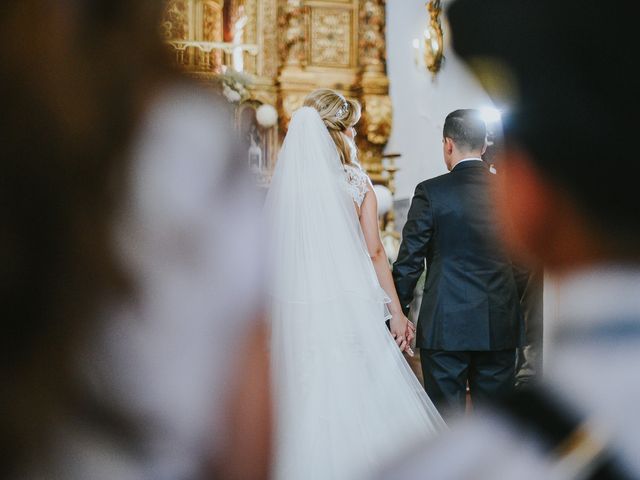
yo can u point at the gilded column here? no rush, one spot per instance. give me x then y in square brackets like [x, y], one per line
[293, 54]
[377, 118]
[175, 26]
[263, 16]
[292, 45]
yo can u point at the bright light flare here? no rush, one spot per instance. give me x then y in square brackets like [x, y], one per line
[491, 115]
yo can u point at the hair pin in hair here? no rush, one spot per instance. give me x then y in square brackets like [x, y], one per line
[342, 111]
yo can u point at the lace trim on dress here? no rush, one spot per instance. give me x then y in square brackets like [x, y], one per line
[357, 183]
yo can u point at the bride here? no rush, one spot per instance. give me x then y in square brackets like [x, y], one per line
[346, 398]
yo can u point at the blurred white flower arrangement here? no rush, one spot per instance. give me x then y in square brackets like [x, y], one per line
[234, 85]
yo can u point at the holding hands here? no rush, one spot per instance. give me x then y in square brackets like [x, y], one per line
[403, 332]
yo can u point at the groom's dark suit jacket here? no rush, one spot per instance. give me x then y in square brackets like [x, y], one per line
[470, 297]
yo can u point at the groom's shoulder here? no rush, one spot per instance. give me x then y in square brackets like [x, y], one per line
[435, 182]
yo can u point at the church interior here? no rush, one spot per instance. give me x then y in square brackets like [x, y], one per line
[318, 239]
[391, 56]
[394, 57]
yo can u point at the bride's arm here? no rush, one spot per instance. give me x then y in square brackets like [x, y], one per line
[370, 228]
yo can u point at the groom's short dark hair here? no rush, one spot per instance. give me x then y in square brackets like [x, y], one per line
[466, 128]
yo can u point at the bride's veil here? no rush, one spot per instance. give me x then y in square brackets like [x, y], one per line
[317, 247]
[337, 371]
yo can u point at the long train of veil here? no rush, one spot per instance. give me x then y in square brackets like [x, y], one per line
[346, 398]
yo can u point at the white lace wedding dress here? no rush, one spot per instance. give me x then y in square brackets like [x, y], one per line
[346, 398]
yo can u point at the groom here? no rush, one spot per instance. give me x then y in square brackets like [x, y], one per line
[469, 324]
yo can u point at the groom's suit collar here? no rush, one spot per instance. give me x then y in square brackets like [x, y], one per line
[470, 164]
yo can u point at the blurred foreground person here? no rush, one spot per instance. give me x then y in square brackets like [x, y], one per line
[131, 346]
[567, 195]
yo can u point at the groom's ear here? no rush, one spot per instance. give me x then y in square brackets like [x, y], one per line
[448, 145]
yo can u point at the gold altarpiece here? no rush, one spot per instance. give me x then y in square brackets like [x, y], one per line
[288, 48]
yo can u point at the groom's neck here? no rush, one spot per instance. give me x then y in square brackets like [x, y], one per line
[457, 157]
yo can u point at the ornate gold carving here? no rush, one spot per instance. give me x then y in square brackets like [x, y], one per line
[264, 94]
[331, 37]
[294, 47]
[292, 22]
[252, 34]
[175, 22]
[372, 39]
[211, 22]
[212, 31]
[377, 111]
[269, 56]
[378, 115]
[433, 38]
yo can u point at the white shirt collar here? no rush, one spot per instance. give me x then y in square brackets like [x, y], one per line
[469, 160]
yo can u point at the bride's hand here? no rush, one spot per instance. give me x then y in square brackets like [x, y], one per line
[398, 327]
[411, 332]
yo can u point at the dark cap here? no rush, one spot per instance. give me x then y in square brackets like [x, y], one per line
[562, 69]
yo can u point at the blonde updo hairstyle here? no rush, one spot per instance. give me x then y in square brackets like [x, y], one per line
[338, 114]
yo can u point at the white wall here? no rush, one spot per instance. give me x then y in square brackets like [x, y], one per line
[420, 104]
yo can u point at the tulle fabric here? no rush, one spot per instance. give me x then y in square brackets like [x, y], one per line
[346, 399]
